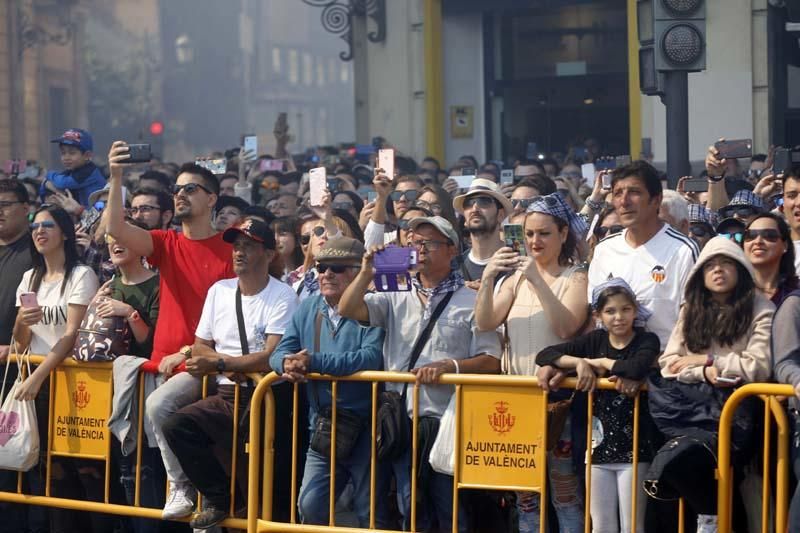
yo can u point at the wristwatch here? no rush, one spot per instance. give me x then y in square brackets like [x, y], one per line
[221, 365]
[709, 360]
[186, 351]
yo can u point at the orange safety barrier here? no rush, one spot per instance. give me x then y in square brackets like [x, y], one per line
[503, 388]
[79, 384]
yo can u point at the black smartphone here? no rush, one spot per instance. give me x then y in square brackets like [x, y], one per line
[695, 185]
[531, 151]
[785, 160]
[333, 185]
[140, 153]
[734, 149]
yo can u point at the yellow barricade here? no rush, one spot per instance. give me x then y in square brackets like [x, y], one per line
[773, 410]
[490, 409]
[79, 408]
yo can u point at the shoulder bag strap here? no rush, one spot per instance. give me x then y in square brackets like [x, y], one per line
[240, 320]
[423, 337]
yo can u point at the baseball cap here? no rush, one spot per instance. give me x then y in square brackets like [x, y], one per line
[253, 229]
[76, 137]
[441, 224]
[481, 186]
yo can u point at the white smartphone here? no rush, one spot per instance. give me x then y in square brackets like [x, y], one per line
[587, 171]
[386, 162]
[506, 177]
[606, 181]
[250, 143]
[463, 181]
[28, 299]
[729, 381]
[318, 184]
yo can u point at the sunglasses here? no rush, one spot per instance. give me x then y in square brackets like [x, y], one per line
[336, 269]
[523, 203]
[410, 196]
[342, 205]
[736, 237]
[46, 224]
[769, 235]
[700, 231]
[481, 201]
[743, 211]
[603, 231]
[319, 231]
[189, 188]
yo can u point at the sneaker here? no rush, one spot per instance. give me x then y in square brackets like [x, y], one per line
[209, 517]
[180, 501]
[706, 523]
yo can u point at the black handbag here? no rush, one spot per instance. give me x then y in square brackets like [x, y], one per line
[393, 428]
[348, 423]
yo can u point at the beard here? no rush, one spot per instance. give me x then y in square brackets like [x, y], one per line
[481, 226]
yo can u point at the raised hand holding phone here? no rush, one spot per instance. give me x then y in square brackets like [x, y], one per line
[386, 162]
[318, 185]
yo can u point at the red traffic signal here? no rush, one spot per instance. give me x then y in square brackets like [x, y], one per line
[156, 127]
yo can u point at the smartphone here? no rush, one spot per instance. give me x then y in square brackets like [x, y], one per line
[275, 165]
[250, 143]
[785, 160]
[729, 381]
[695, 185]
[587, 171]
[215, 166]
[531, 151]
[372, 196]
[506, 177]
[606, 181]
[386, 162]
[28, 299]
[392, 266]
[317, 185]
[515, 238]
[140, 153]
[735, 149]
[463, 181]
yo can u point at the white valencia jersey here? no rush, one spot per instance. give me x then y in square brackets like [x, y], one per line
[657, 272]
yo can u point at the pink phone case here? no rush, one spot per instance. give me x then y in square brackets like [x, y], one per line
[28, 299]
[317, 185]
[386, 162]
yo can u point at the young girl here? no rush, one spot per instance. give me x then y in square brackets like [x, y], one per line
[620, 348]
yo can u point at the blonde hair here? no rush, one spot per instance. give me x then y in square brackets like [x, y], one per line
[308, 260]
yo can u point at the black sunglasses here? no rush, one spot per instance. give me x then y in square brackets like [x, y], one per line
[700, 231]
[481, 201]
[189, 188]
[603, 231]
[744, 211]
[319, 231]
[768, 234]
[336, 269]
[410, 195]
[521, 202]
[737, 236]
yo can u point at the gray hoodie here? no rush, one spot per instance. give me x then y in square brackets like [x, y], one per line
[786, 342]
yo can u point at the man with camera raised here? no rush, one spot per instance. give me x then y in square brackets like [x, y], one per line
[436, 318]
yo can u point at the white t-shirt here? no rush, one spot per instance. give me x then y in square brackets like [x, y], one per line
[797, 256]
[657, 272]
[267, 313]
[81, 287]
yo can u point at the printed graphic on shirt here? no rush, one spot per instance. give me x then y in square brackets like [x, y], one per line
[55, 315]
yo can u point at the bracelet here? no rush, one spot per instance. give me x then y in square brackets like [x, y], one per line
[594, 206]
[705, 378]
[458, 370]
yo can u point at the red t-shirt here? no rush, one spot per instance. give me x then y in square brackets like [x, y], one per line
[188, 269]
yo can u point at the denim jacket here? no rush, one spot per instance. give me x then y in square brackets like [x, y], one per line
[344, 349]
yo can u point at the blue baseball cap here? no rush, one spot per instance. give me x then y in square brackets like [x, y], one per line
[76, 137]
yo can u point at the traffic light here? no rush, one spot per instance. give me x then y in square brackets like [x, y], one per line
[671, 38]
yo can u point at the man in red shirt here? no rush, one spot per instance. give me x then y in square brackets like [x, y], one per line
[189, 263]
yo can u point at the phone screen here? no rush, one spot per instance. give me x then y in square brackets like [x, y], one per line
[514, 238]
[386, 162]
[587, 171]
[317, 185]
[506, 177]
[250, 144]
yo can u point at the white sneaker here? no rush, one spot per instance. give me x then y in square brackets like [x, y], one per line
[706, 523]
[180, 501]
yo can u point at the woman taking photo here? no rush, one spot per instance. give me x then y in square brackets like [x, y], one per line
[768, 247]
[287, 238]
[721, 340]
[543, 302]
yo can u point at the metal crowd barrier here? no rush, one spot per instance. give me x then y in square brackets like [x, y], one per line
[70, 373]
[773, 410]
[262, 460]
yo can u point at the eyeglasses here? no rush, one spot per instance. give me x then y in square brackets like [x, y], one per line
[409, 195]
[403, 224]
[768, 234]
[744, 211]
[319, 231]
[427, 205]
[6, 205]
[342, 205]
[189, 188]
[428, 245]
[45, 224]
[481, 201]
[737, 236]
[700, 231]
[336, 269]
[603, 231]
[521, 202]
[143, 209]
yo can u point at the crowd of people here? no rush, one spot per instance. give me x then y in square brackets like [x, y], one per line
[226, 275]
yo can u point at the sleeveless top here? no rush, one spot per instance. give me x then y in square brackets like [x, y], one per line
[528, 329]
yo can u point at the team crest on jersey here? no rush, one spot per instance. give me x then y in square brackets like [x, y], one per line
[658, 274]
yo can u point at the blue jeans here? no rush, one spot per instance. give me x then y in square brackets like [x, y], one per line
[313, 503]
[564, 488]
[435, 506]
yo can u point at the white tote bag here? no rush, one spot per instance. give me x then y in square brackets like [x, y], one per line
[19, 433]
[443, 451]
